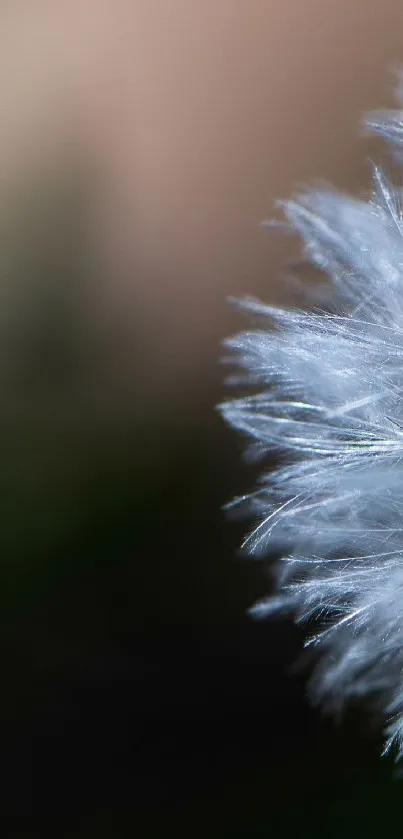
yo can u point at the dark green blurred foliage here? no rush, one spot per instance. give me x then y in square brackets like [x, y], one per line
[48, 431]
[44, 258]
[67, 448]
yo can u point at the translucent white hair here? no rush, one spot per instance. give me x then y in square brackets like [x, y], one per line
[325, 394]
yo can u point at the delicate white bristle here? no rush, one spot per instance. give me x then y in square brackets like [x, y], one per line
[327, 398]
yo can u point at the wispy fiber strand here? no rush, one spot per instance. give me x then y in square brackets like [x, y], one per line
[327, 398]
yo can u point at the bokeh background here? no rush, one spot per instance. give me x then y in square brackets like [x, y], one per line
[142, 142]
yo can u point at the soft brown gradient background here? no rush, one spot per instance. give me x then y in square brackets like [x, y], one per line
[198, 114]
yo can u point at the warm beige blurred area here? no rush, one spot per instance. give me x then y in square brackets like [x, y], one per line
[196, 115]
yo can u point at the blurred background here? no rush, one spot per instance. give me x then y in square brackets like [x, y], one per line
[142, 142]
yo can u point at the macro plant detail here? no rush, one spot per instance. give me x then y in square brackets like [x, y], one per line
[324, 393]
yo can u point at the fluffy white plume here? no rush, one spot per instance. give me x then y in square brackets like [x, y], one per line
[328, 400]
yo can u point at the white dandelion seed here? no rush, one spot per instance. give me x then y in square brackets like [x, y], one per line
[329, 399]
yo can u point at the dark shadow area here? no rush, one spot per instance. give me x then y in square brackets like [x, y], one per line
[138, 700]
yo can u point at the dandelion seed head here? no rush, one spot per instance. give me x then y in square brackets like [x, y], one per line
[325, 393]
